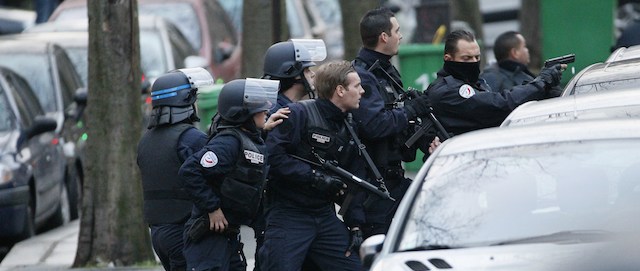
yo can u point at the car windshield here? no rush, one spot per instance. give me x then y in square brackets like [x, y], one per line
[497, 195]
[182, 15]
[607, 86]
[37, 68]
[7, 119]
[154, 61]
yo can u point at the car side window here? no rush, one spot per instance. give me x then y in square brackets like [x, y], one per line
[69, 79]
[180, 47]
[26, 102]
[7, 119]
[223, 36]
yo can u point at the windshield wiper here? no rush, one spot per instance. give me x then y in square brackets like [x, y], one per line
[580, 236]
[431, 247]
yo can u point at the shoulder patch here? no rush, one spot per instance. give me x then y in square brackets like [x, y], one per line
[209, 159]
[466, 91]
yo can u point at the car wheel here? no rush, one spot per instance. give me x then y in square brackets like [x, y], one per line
[63, 214]
[74, 187]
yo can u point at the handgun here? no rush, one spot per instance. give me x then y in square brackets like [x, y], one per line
[566, 59]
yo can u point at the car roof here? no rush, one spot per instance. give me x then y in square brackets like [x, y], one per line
[64, 39]
[611, 71]
[624, 53]
[611, 104]
[492, 138]
[24, 46]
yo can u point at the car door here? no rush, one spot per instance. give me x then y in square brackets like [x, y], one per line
[43, 152]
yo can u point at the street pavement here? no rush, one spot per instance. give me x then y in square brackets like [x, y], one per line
[56, 250]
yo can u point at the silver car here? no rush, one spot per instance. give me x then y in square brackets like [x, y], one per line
[535, 197]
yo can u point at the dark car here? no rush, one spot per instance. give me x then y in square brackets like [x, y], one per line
[534, 197]
[58, 87]
[32, 185]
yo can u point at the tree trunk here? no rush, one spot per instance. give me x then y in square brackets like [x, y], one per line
[264, 23]
[112, 231]
[530, 29]
[352, 12]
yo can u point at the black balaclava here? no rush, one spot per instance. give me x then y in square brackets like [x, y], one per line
[469, 72]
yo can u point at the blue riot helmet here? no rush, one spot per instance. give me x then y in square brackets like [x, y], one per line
[174, 94]
[241, 98]
[288, 59]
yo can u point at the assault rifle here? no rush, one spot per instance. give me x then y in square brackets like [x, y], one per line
[349, 177]
[566, 59]
[430, 127]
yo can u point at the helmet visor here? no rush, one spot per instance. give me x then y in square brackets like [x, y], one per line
[199, 78]
[309, 49]
[260, 94]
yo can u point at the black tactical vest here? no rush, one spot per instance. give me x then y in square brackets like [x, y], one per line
[330, 142]
[241, 190]
[165, 201]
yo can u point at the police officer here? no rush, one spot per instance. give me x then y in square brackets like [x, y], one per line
[383, 116]
[301, 219]
[464, 103]
[290, 63]
[512, 56]
[171, 138]
[225, 178]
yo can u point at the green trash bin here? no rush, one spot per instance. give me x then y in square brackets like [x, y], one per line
[208, 106]
[419, 64]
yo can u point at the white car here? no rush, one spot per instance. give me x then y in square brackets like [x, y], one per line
[601, 105]
[537, 197]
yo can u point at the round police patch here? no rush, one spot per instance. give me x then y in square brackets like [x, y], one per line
[209, 159]
[466, 91]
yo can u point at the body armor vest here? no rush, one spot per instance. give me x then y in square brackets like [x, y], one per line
[327, 140]
[165, 201]
[241, 190]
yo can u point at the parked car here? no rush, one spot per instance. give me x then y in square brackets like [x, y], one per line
[606, 76]
[624, 53]
[534, 197]
[602, 105]
[307, 19]
[162, 46]
[32, 185]
[58, 87]
[203, 22]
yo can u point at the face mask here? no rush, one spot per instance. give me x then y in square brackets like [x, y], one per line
[465, 71]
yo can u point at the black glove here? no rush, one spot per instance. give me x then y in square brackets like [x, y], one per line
[331, 185]
[356, 240]
[551, 76]
[417, 107]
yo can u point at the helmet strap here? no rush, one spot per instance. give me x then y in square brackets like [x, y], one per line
[307, 87]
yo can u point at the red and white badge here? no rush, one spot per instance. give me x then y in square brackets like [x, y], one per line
[209, 159]
[466, 91]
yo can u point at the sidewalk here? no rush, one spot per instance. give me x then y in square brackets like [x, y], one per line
[52, 250]
[56, 250]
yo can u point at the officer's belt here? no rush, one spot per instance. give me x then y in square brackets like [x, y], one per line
[166, 194]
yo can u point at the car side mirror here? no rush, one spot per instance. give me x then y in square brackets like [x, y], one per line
[195, 62]
[80, 97]
[223, 51]
[40, 125]
[370, 249]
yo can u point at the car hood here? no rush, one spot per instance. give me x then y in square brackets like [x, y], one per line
[522, 257]
[8, 141]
